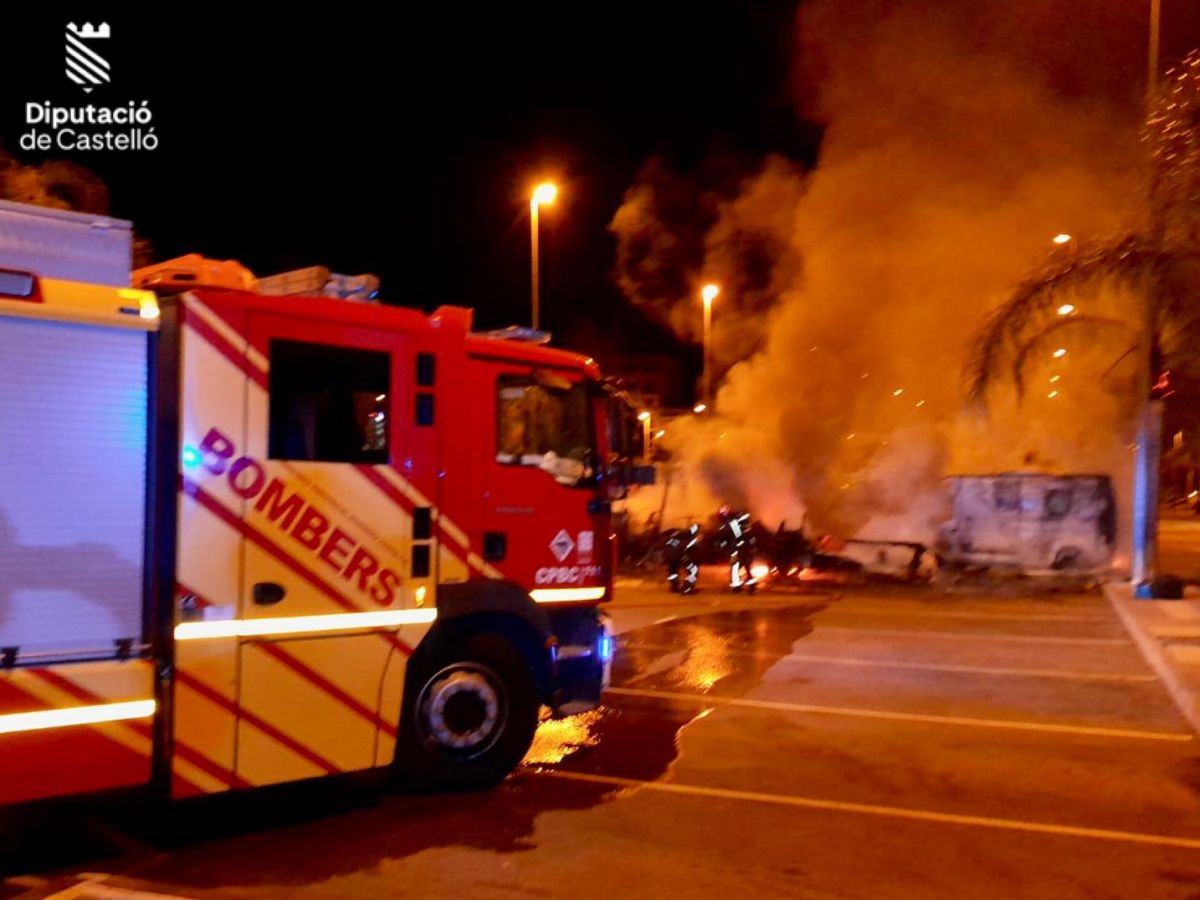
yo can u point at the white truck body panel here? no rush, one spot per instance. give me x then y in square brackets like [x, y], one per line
[73, 246]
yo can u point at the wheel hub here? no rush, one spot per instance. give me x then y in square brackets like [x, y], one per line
[461, 708]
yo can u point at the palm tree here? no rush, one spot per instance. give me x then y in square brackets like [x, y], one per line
[1159, 267]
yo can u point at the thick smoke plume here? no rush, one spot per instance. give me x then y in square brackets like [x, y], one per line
[959, 139]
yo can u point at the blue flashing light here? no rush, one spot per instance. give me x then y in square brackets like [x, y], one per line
[191, 457]
[605, 647]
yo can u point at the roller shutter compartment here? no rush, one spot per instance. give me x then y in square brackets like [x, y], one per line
[73, 407]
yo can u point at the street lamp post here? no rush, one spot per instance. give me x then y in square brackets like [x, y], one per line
[1152, 49]
[644, 418]
[708, 293]
[1144, 564]
[543, 194]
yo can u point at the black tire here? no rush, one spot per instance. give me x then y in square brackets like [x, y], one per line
[1066, 559]
[471, 708]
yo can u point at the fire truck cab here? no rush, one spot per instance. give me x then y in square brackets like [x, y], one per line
[248, 539]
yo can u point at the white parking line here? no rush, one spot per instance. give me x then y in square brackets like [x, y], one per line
[962, 614]
[815, 709]
[862, 662]
[891, 812]
[975, 670]
[93, 888]
[1181, 612]
[976, 635]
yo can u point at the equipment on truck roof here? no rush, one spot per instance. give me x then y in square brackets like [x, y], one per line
[192, 271]
[318, 281]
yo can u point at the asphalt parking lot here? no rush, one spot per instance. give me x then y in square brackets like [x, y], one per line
[865, 742]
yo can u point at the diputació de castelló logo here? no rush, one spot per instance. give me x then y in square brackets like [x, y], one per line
[63, 127]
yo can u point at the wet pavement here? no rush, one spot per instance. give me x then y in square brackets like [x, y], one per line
[877, 741]
[1179, 546]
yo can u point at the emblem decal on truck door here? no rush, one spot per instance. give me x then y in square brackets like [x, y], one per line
[562, 545]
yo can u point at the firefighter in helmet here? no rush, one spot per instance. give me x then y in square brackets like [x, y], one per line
[682, 571]
[735, 537]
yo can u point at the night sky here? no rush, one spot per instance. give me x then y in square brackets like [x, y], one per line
[406, 145]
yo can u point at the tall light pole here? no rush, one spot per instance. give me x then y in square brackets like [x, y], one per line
[1144, 564]
[543, 195]
[644, 418]
[1152, 54]
[708, 294]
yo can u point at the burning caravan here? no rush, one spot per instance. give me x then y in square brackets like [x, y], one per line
[1030, 522]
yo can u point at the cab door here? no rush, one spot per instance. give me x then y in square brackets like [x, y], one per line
[339, 491]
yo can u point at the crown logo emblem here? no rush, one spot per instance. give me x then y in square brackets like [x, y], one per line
[84, 65]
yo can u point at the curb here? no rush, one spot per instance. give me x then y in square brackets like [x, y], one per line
[1185, 698]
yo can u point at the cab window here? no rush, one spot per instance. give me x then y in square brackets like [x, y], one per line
[544, 422]
[625, 432]
[328, 403]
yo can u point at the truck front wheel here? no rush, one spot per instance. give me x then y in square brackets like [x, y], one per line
[470, 714]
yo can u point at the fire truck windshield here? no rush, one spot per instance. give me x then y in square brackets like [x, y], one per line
[545, 424]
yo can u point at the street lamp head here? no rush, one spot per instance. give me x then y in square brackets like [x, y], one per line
[1062, 238]
[644, 416]
[699, 408]
[709, 292]
[544, 193]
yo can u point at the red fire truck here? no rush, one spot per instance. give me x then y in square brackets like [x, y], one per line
[249, 539]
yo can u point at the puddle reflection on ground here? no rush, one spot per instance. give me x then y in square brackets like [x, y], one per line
[303, 833]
